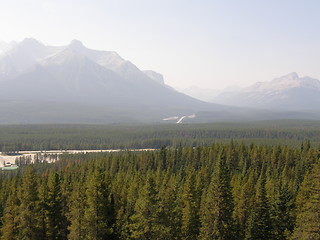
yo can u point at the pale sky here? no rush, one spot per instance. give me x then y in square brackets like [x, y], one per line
[205, 43]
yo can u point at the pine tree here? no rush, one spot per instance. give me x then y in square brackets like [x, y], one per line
[189, 216]
[283, 213]
[97, 223]
[308, 207]
[43, 194]
[9, 229]
[260, 226]
[245, 203]
[77, 204]
[144, 221]
[217, 207]
[54, 207]
[163, 157]
[1, 203]
[29, 219]
[169, 212]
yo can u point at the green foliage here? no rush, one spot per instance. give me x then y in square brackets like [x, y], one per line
[9, 229]
[77, 204]
[222, 191]
[29, 208]
[98, 208]
[54, 215]
[308, 209]
[144, 221]
[56, 137]
[217, 209]
[189, 209]
[282, 213]
[260, 226]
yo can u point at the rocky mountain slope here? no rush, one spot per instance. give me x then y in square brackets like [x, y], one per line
[289, 92]
[75, 84]
[34, 73]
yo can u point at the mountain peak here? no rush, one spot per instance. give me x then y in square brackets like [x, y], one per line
[287, 92]
[31, 43]
[290, 76]
[76, 44]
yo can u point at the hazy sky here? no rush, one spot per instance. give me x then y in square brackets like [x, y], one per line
[207, 43]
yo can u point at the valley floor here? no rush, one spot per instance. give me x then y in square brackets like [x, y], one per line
[4, 158]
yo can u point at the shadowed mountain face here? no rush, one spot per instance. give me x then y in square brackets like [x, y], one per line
[75, 75]
[32, 71]
[74, 84]
[289, 92]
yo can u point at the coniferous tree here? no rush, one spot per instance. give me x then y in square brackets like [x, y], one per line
[97, 222]
[1, 203]
[157, 199]
[55, 218]
[29, 217]
[260, 226]
[169, 212]
[10, 229]
[217, 207]
[43, 194]
[283, 213]
[77, 205]
[245, 203]
[189, 212]
[163, 157]
[144, 221]
[308, 207]
[127, 195]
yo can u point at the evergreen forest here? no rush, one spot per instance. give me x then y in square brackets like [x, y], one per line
[72, 136]
[221, 191]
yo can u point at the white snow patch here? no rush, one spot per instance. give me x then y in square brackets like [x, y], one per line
[170, 118]
[180, 120]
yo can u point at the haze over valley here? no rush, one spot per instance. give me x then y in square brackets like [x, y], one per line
[159, 120]
[288, 92]
[75, 76]
[75, 84]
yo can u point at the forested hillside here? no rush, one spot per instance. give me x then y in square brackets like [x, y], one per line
[64, 137]
[222, 191]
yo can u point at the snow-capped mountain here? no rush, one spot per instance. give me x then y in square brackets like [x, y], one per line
[291, 80]
[75, 84]
[74, 74]
[30, 52]
[19, 58]
[289, 92]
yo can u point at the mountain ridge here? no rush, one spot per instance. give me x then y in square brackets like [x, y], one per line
[72, 83]
[76, 75]
[288, 92]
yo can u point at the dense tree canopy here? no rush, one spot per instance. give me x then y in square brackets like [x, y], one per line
[61, 137]
[222, 191]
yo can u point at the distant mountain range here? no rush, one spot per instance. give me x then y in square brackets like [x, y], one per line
[289, 92]
[76, 74]
[75, 84]
[32, 74]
